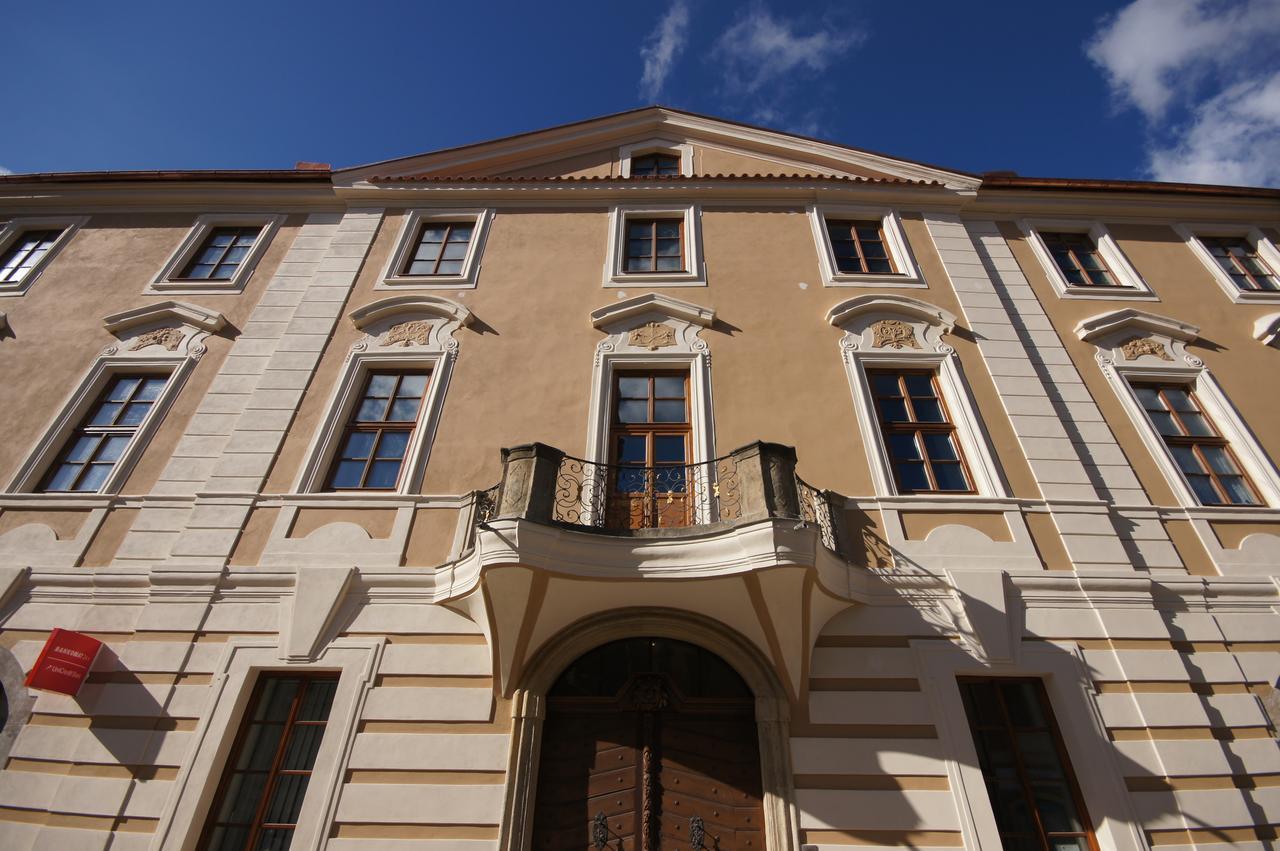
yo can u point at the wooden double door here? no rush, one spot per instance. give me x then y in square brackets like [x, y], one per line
[649, 744]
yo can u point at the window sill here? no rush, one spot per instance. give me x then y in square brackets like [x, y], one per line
[659, 279]
[895, 281]
[427, 282]
[1107, 293]
[1256, 297]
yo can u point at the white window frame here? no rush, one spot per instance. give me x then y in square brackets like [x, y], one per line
[314, 475]
[1220, 412]
[895, 242]
[16, 227]
[73, 411]
[166, 281]
[978, 455]
[683, 150]
[393, 276]
[695, 275]
[187, 809]
[1266, 249]
[1132, 286]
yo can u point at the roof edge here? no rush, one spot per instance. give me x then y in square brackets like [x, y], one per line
[1104, 185]
[248, 175]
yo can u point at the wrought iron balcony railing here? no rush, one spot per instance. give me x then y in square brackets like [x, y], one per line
[755, 482]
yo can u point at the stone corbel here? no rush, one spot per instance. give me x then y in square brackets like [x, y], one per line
[994, 627]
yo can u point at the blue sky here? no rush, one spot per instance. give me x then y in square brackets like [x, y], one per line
[1170, 89]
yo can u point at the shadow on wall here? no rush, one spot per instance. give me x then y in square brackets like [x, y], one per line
[1118, 791]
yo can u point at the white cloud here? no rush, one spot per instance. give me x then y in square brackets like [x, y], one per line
[4, 170]
[1203, 75]
[759, 50]
[1234, 138]
[663, 48]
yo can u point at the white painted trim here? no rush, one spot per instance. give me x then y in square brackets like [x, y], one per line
[1094, 328]
[393, 276]
[432, 305]
[1065, 674]
[16, 227]
[851, 308]
[695, 273]
[210, 321]
[1267, 252]
[345, 396]
[1219, 410]
[1132, 286]
[166, 282]
[177, 367]
[650, 302]
[653, 146]
[1266, 329]
[186, 810]
[894, 239]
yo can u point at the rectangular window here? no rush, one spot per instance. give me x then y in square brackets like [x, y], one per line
[100, 440]
[1201, 453]
[1078, 259]
[378, 432]
[655, 245]
[650, 436]
[918, 434]
[441, 248]
[25, 254]
[1238, 258]
[1033, 791]
[221, 254]
[655, 165]
[266, 778]
[859, 247]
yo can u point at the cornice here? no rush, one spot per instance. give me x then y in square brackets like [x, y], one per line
[1095, 327]
[653, 302]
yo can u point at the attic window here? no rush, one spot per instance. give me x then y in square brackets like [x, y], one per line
[659, 164]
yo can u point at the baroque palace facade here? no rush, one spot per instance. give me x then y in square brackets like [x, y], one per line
[653, 481]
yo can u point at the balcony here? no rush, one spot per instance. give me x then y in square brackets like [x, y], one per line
[753, 483]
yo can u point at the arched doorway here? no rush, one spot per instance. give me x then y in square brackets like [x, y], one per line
[649, 743]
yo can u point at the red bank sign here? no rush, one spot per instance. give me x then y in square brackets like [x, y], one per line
[64, 662]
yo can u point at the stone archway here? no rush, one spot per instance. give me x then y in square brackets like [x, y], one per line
[770, 705]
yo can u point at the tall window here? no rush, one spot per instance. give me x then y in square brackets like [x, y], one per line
[25, 254]
[258, 801]
[1033, 792]
[1078, 259]
[918, 433]
[1201, 453]
[441, 248]
[378, 433]
[98, 443]
[859, 247]
[655, 245]
[655, 165]
[223, 252]
[650, 437]
[1239, 260]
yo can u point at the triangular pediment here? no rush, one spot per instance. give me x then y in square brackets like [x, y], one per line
[597, 148]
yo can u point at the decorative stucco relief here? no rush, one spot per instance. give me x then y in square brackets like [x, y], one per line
[1136, 347]
[414, 333]
[170, 338]
[893, 334]
[653, 336]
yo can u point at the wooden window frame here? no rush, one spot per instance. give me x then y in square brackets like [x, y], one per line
[408, 259]
[657, 157]
[653, 222]
[172, 277]
[852, 224]
[1194, 442]
[274, 772]
[16, 248]
[378, 427]
[1068, 241]
[917, 429]
[649, 430]
[1055, 731]
[1207, 240]
[12, 232]
[194, 257]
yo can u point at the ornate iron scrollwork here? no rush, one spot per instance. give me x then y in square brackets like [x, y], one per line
[611, 496]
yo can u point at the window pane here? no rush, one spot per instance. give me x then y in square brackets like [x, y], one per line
[1022, 700]
[919, 385]
[878, 267]
[634, 388]
[83, 448]
[669, 264]
[93, 478]
[1196, 425]
[912, 476]
[150, 389]
[122, 389]
[317, 700]
[668, 449]
[64, 477]
[134, 413]
[455, 251]
[404, 410]
[927, 410]
[1163, 421]
[1203, 488]
[1150, 398]
[113, 448]
[1179, 399]
[670, 386]
[461, 233]
[631, 449]
[884, 384]
[950, 476]
[1187, 459]
[348, 474]
[1237, 491]
[358, 444]
[412, 386]
[371, 410]
[383, 474]
[894, 410]
[668, 411]
[427, 251]
[903, 447]
[633, 411]
[392, 444]
[1219, 460]
[632, 480]
[450, 267]
[940, 447]
[668, 229]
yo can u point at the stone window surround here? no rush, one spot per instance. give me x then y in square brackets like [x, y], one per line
[1267, 251]
[19, 225]
[1132, 286]
[393, 277]
[683, 150]
[167, 280]
[908, 276]
[238, 668]
[695, 275]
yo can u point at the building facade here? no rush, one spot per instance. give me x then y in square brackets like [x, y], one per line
[653, 481]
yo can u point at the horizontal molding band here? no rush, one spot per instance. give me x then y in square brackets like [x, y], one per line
[907, 838]
[1222, 734]
[427, 777]
[150, 678]
[863, 684]
[878, 640]
[1202, 781]
[421, 680]
[412, 831]
[887, 782]
[126, 824]
[1214, 835]
[500, 725]
[114, 722]
[421, 638]
[1122, 643]
[92, 769]
[1171, 687]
